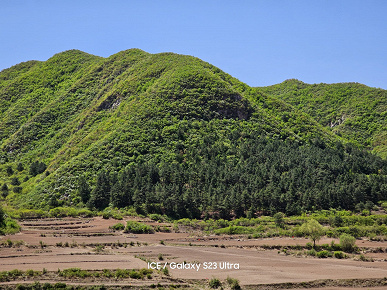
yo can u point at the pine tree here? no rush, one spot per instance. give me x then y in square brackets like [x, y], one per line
[100, 195]
[83, 189]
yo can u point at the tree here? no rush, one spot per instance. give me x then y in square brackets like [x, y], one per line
[20, 167]
[15, 181]
[313, 230]
[2, 217]
[37, 168]
[83, 189]
[4, 189]
[9, 170]
[347, 242]
[279, 219]
[100, 195]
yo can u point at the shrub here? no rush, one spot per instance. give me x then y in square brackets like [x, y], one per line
[138, 228]
[322, 254]
[338, 255]
[347, 242]
[135, 275]
[234, 283]
[2, 217]
[17, 189]
[117, 227]
[20, 167]
[279, 219]
[337, 221]
[15, 181]
[37, 168]
[31, 273]
[9, 170]
[4, 187]
[10, 226]
[156, 217]
[166, 271]
[214, 283]
[234, 230]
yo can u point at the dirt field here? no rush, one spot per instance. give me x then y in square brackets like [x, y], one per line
[89, 244]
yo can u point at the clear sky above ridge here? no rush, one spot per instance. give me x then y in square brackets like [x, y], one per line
[259, 42]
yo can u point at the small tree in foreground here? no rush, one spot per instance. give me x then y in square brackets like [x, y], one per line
[313, 230]
[347, 242]
[279, 219]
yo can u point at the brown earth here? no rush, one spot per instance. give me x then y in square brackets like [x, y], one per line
[251, 263]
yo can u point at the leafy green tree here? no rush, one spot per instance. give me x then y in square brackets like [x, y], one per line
[313, 229]
[347, 242]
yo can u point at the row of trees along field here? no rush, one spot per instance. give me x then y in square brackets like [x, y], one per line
[260, 175]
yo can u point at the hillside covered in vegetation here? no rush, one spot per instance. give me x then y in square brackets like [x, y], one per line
[351, 110]
[171, 134]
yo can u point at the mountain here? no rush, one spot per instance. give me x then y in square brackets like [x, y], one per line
[351, 110]
[168, 133]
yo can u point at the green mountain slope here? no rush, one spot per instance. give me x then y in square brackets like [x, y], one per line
[351, 110]
[171, 134]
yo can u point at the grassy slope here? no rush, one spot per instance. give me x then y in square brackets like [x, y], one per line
[80, 113]
[351, 110]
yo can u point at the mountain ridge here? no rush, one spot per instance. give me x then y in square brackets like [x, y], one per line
[137, 114]
[352, 110]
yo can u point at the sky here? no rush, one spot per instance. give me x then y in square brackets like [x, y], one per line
[260, 43]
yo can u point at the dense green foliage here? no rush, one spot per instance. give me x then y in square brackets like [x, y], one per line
[168, 134]
[138, 228]
[351, 110]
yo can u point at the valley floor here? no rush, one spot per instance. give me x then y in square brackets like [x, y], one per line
[89, 244]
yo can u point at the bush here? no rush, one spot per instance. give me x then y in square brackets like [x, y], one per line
[17, 189]
[20, 167]
[338, 255]
[234, 230]
[279, 219]
[322, 254]
[10, 226]
[106, 215]
[347, 242]
[15, 181]
[4, 189]
[2, 217]
[9, 170]
[234, 283]
[138, 228]
[37, 168]
[156, 217]
[118, 227]
[214, 283]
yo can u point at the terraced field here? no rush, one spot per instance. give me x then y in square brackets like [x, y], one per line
[89, 244]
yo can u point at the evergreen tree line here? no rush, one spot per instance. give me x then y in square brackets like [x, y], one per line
[256, 176]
